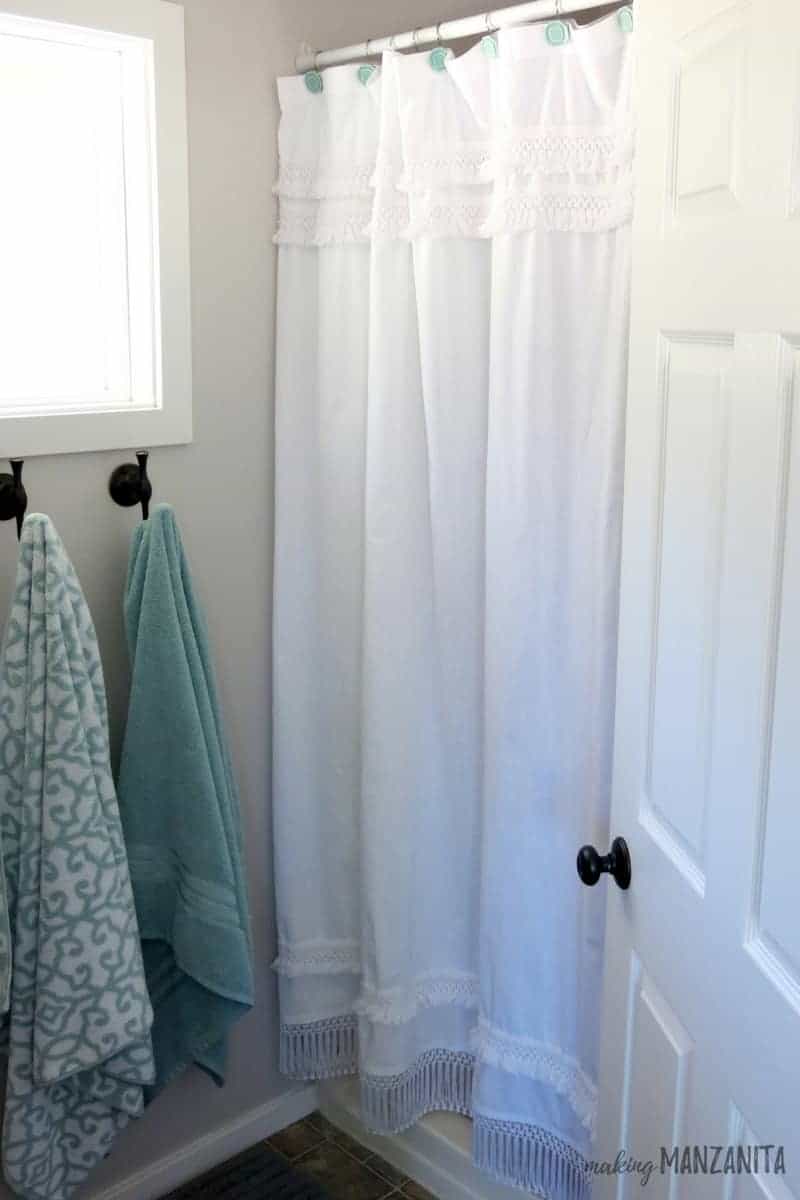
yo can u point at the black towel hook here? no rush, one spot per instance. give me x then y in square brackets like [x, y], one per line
[13, 497]
[129, 484]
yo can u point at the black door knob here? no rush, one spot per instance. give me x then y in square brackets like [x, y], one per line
[617, 863]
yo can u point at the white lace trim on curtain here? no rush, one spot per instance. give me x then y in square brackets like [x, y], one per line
[501, 211]
[388, 1006]
[398, 1005]
[324, 222]
[567, 150]
[561, 178]
[318, 958]
[442, 214]
[539, 1061]
[303, 181]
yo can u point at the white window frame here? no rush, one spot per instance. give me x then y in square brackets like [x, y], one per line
[161, 23]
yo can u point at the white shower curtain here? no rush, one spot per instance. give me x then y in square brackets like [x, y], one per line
[452, 315]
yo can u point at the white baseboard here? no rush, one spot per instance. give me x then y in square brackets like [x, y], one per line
[437, 1152]
[160, 1177]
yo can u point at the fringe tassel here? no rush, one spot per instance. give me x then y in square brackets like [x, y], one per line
[321, 1049]
[523, 1156]
[439, 1080]
[530, 1158]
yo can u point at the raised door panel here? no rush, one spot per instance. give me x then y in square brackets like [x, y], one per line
[708, 121]
[774, 933]
[693, 370]
[656, 1077]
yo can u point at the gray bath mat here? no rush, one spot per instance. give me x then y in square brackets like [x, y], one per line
[256, 1174]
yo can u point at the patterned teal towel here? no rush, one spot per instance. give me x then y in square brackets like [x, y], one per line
[79, 1047]
[181, 814]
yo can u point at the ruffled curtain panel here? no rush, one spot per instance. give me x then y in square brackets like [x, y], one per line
[452, 319]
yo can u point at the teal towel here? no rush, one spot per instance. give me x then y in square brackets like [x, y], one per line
[181, 814]
[79, 1048]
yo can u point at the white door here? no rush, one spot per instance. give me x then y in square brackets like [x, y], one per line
[701, 1033]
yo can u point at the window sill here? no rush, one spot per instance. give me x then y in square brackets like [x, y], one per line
[25, 437]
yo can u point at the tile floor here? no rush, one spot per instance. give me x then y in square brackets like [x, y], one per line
[345, 1169]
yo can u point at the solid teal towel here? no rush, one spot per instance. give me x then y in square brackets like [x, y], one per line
[180, 814]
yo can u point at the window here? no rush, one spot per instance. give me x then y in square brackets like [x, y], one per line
[94, 283]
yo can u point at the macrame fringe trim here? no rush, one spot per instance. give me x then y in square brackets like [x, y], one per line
[439, 1080]
[320, 1050]
[525, 1156]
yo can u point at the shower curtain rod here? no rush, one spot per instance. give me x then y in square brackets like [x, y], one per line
[447, 31]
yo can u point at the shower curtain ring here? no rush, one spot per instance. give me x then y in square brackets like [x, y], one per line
[439, 33]
[414, 42]
[487, 20]
[316, 60]
[366, 47]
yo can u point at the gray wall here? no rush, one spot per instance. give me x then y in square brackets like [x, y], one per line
[221, 485]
